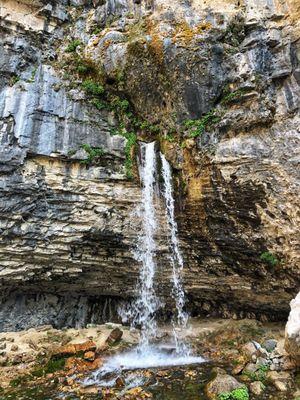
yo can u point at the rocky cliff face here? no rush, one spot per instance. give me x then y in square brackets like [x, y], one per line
[216, 83]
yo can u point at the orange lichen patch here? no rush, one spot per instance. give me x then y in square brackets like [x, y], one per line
[96, 41]
[156, 45]
[107, 43]
[184, 33]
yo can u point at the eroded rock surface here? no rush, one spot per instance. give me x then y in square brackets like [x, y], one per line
[67, 224]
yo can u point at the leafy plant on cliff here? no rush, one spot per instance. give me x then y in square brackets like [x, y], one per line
[13, 80]
[236, 394]
[72, 46]
[235, 95]
[92, 152]
[93, 88]
[198, 126]
[131, 141]
[129, 148]
[269, 258]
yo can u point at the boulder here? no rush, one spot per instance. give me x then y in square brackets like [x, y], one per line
[269, 344]
[89, 356]
[281, 386]
[222, 383]
[249, 349]
[257, 388]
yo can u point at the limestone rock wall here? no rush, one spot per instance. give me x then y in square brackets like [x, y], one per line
[67, 227]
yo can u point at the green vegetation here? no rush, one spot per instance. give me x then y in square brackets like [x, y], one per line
[198, 126]
[259, 375]
[99, 104]
[92, 88]
[170, 138]
[93, 153]
[235, 95]
[53, 365]
[119, 105]
[13, 80]
[269, 258]
[16, 382]
[131, 141]
[72, 46]
[129, 147]
[236, 394]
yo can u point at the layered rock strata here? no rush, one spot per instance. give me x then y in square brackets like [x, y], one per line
[68, 226]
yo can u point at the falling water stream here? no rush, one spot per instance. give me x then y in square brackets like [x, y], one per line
[142, 312]
[181, 319]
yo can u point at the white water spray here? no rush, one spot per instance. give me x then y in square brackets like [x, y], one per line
[175, 257]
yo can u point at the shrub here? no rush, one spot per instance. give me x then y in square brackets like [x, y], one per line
[269, 258]
[93, 152]
[72, 46]
[236, 394]
[131, 141]
[259, 375]
[92, 87]
[13, 80]
[99, 104]
[197, 127]
[233, 95]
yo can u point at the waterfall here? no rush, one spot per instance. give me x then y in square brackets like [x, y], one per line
[175, 257]
[142, 312]
[147, 303]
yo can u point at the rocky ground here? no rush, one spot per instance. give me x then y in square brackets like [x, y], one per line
[244, 358]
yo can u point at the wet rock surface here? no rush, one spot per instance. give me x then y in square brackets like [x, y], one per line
[67, 224]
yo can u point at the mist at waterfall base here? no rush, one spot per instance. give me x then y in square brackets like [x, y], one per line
[149, 353]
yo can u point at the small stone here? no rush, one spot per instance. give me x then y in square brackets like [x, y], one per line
[120, 382]
[70, 381]
[270, 344]
[238, 369]
[89, 356]
[257, 388]
[114, 336]
[251, 368]
[3, 361]
[17, 359]
[3, 346]
[282, 387]
[261, 361]
[249, 349]
[89, 390]
[14, 347]
[278, 376]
